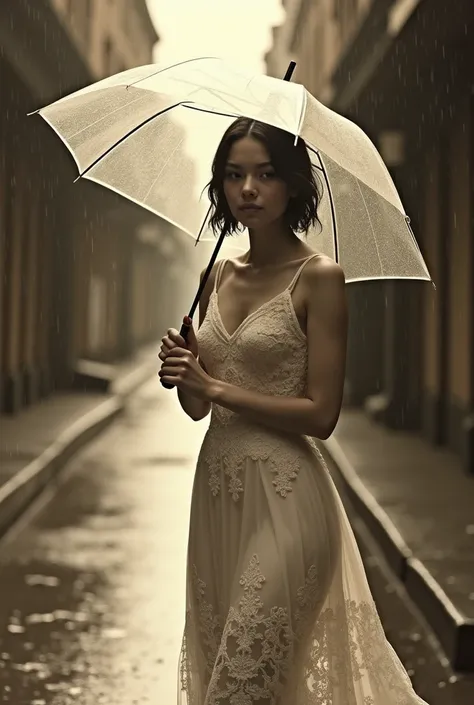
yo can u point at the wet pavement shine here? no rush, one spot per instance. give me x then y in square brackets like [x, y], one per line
[92, 579]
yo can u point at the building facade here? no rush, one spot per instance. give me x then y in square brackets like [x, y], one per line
[402, 70]
[84, 273]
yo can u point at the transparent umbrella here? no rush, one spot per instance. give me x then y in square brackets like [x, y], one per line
[150, 134]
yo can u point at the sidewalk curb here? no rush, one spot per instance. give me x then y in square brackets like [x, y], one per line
[18, 492]
[454, 631]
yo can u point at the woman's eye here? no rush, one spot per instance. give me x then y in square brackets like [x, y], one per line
[232, 175]
[268, 174]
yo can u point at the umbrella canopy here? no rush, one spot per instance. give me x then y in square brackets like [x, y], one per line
[151, 133]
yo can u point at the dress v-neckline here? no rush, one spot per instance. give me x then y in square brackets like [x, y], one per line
[251, 315]
[286, 292]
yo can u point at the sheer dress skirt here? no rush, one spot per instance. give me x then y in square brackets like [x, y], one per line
[278, 611]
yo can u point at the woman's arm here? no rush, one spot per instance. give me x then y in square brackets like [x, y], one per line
[317, 414]
[198, 409]
[291, 414]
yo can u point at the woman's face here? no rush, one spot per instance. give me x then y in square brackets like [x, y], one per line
[255, 195]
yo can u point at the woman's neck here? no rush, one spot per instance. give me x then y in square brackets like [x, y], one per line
[274, 247]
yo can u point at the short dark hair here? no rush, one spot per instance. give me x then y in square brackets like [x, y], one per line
[291, 163]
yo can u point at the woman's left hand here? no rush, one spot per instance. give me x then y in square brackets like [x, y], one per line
[181, 369]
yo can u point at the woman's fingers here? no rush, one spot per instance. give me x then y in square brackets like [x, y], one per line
[176, 338]
[172, 340]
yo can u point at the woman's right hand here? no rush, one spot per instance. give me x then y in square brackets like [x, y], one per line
[174, 340]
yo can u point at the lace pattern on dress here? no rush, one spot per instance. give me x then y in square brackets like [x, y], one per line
[247, 363]
[346, 646]
[225, 451]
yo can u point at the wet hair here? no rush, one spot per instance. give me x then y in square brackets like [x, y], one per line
[291, 164]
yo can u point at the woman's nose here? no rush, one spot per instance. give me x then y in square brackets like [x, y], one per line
[249, 185]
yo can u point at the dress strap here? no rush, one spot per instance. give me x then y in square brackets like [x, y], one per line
[220, 269]
[296, 277]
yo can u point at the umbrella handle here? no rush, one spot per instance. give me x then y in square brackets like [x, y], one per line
[184, 332]
[184, 328]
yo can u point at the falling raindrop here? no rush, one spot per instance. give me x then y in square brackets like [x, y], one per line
[415, 636]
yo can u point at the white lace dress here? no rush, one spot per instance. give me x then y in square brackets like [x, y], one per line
[279, 611]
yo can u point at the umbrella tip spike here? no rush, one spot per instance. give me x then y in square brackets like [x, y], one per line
[289, 71]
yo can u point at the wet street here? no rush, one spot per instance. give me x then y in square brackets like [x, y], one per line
[92, 581]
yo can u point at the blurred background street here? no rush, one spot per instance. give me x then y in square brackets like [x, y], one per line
[93, 528]
[93, 580]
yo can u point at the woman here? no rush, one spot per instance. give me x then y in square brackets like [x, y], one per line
[279, 611]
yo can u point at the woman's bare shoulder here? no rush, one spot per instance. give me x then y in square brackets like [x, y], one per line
[323, 266]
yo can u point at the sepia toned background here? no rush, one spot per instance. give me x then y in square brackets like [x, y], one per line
[90, 282]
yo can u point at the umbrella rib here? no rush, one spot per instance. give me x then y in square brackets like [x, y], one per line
[173, 66]
[202, 225]
[222, 91]
[188, 82]
[371, 226]
[303, 112]
[211, 112]
[161, 170]
[331, 202]
[221, 95]
[122, 139]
